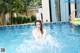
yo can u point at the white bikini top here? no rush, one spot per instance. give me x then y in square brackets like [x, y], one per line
[38, 33]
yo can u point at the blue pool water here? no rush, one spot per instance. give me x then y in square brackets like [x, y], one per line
[19, 39]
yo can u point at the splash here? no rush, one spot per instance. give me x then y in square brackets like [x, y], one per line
[47, 45]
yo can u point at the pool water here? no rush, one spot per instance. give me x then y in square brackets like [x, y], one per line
[19, 39]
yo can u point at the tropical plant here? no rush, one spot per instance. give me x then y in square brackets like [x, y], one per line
[19, 20]
[26, 19]
[13, 20]
[16, 6]
[36, 3]
[33, 18]
[26, 6]
[4, 8]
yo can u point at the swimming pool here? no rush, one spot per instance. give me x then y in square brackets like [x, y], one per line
[19, 39]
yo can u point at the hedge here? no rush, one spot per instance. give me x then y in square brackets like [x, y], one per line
[22, 19]
[33, 18]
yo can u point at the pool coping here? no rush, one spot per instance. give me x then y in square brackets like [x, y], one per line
[31, 24]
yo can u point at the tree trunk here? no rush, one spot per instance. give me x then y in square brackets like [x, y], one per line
[13, 14]
[4, 18]
[11, 20]
[26, 13]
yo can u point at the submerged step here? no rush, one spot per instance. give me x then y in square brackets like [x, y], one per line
[2, 49]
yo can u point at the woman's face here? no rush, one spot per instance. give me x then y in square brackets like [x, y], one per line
[38, 25]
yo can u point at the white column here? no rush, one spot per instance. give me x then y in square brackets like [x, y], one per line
[72, 10]
[45, 10]
[64, 11]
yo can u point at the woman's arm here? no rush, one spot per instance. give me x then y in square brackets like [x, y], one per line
[33, 33]
[44, 34]
[36, 36]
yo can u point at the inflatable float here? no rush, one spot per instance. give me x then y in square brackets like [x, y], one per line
[76, 22]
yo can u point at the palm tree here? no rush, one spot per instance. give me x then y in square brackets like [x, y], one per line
[4, 8]
[30, 3]
[26, 6]
[11, 6]
[15, 7]
[36, 4]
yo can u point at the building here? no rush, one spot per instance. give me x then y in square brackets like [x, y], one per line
[59, 10]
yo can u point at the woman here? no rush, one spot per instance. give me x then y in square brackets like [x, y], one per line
[39, 33]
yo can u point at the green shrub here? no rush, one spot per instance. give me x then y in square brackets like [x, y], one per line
[33, 18]
[19, 20]
[26, 19]
[12, 20]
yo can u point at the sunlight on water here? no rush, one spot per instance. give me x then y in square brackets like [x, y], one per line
[49, 45]
[61, 39]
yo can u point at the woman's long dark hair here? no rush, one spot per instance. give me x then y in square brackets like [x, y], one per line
[41, 29]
